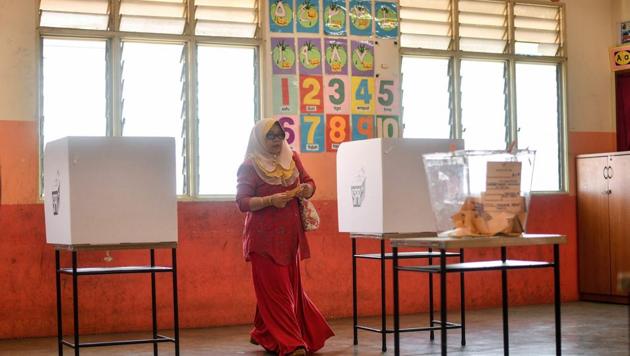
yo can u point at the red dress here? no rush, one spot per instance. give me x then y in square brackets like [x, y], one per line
[274, 242]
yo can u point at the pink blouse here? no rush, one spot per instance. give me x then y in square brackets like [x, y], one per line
[271, 231]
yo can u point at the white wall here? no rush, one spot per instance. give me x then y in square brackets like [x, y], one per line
[18, 60]
[590, 81]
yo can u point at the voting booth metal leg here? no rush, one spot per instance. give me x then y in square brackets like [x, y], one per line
[153, 304]
[354, 293]
[383, 304]
[443, 300]
[75, 302]
[396, 302]
[504, 297]
[58, 286]
[431, 307]
[175, 304]
[75, 272]
[462, 299]
[556, 297]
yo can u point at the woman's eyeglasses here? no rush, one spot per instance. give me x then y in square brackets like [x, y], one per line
[270, 136]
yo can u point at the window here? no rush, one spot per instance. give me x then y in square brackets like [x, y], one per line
[74, 89]
[225, 120]
[538, 127]
[153, 95]
[483, 104]
[426, 100]
[155, 68]
[502, 63]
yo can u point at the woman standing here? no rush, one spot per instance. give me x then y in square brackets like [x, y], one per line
[269, 181]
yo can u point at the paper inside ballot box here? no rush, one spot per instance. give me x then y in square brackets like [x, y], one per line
[474, 220]
[500, 209]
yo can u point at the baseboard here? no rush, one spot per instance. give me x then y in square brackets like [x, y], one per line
[604, 298]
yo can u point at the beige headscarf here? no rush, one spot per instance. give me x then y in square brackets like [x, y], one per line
[272, 169]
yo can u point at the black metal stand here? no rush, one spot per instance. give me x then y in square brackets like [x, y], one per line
[75, 272]
[503, 265]
[383, 257]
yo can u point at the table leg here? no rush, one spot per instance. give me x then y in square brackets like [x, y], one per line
[153, 304]
[383, 305]
[59, 317]
[396, 306]
[462, 299]
[431, 309]
[556, 296]
[175, 307]
[75, 302]
[354, 293]
[504, 297]
[443, 299]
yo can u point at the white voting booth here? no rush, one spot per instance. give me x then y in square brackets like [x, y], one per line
[382, 186]
[110, 190]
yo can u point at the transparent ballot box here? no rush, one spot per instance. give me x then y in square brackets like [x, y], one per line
[480, 193]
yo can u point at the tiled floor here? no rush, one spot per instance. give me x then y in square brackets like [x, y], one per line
[587, 329]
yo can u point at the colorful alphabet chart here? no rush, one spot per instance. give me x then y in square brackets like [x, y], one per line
[335, 71]
[283, 59]
[337, 131]
[312, 133]
[360, 17]
[337, 94]
[285, 99]
[335, 23]
[311, 94]
[307, 16]
[386, 19]
[290, 125]
[281, 16]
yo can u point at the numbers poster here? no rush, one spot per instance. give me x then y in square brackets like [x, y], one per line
[334, 71]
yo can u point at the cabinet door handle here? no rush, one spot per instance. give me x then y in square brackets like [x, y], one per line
[605, 172]
[611, 172]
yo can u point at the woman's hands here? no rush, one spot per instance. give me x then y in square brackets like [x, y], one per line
[279, 200]
[305, 190]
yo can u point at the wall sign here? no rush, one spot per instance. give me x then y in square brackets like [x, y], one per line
[337, 94]
[362, 58]
[360, 17]
[337, 131]
[387, 96]
[285, 98]
[386, 19]
[388, 126]
[620, 58]
[281, 16]
[335, 17]
[312, 133]
[283, 55]
[311, 94]
[290, 125]
[307, 16]
[310, 56]
[362, 95]
[362, 127]
[336, 56]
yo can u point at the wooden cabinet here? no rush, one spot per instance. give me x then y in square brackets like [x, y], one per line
[603, 217]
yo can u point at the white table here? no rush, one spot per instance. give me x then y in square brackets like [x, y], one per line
[502, 242]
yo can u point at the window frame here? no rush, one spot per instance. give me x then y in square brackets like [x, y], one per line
[455, 57]
[114, 38]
